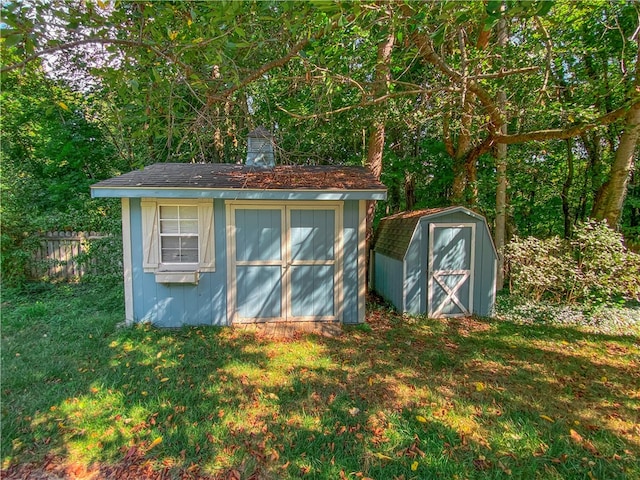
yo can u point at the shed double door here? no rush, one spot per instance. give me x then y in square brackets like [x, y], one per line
[284, 262]
[451, 269]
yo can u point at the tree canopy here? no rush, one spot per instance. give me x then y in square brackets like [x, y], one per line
[525, 110]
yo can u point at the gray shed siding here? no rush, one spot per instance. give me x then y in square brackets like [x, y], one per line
[176, 305]
[486, 265]
[389, 278]
[485, 260]
[350, 262]
[415, 264]
[405, 284]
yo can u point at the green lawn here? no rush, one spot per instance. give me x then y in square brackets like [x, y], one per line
[397, 398]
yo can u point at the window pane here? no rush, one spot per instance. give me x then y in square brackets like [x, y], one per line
[169, 212]
[189, 255]
[189, 213]
[171, 255]
[179, 234]
[169, 226]
[189, 226]
[170, 242]
[189, 242]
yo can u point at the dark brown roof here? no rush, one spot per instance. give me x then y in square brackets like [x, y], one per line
[231, 176]
[394, 233]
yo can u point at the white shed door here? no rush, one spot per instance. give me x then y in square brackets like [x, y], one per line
[283, 262]
[450, 276]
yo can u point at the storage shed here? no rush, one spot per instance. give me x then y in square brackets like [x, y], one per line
[219, 244]
[441, 262]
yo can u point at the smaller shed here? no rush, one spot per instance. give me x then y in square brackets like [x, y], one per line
[441, 262]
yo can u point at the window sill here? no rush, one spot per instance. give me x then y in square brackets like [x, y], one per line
[191, 276]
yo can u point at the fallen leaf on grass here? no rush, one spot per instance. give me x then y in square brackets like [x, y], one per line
[481, 463]
[155, 443]
[503, 468]
[479, 386]
[547, 418]
[586, 444]
[382, 456]
[421, 419]
[590, 447]
[575, 436]
[354, 411]
[414, 466]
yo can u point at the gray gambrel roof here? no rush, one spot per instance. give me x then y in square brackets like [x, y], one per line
[394, 232]
[231, 176]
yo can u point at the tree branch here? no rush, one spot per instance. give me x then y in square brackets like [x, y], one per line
[369, 103]
[429, 54]
[90, 41]
[278, 62]
[563, 134]
[549, 51]
[504, 73]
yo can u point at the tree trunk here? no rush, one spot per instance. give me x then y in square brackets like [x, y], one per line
[612, 193]
[566, 211]
[591, 143]
[376, 135]
[501, 200]
[501, 175]
[410, 190]
[461, 163]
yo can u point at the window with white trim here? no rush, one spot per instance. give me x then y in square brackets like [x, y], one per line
[177, 235]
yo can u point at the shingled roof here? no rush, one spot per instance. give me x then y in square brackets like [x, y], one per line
[231, 176]
[394, 233]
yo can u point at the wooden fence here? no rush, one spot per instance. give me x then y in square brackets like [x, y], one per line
[67, 255]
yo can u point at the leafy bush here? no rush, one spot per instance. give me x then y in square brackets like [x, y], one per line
[594, 267]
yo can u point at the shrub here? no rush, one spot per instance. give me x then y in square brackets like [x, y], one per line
[595, 267]
[539, 268]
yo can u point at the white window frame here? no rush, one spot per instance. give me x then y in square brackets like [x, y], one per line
[180, 266]
[151, 240]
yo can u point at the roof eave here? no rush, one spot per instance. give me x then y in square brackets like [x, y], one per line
[237, 193]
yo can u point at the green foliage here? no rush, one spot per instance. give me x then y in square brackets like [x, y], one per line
[593, 268]
[185, 81]
[53, 149]
[540, 268]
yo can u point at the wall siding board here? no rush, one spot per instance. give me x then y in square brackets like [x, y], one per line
[175, 305]
[414, 274]
[486, 274]
[215, 297]
[389, 279]
[350, 262]
[478, 300]
[137, 254]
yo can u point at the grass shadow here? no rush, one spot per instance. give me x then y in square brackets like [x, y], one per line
[404, 397]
